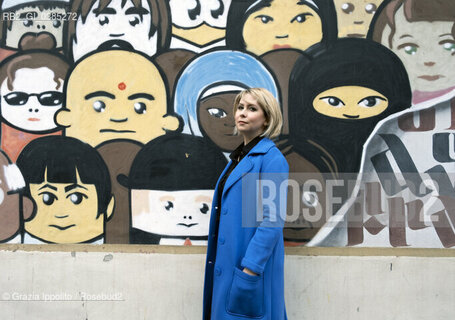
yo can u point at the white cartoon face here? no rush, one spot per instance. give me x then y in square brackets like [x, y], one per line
[115, 26]
[33, 100]
[33, 20]
[427, 50]
[192, 13]
[174, 213]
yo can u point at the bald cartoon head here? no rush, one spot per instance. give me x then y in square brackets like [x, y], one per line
[114, 95]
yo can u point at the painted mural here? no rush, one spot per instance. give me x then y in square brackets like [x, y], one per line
[116, 117]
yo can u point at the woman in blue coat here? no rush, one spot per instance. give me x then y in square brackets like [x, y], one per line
[245, 255]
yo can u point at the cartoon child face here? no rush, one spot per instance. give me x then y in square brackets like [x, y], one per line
[174, 213]
[120, 23]
[66, 212]
[199, 21]
[350, 102]
[354, 16]
[34, 100]
[217, 120]
[10, 210]
[284, 24]
[427, 50]
[109, 98]
[33, 20]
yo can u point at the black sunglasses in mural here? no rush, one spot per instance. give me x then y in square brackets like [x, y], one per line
[48, 98]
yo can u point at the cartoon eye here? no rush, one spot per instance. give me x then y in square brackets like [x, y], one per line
[370, 102]
[133, 22]
[370, 8]
[301, 18]
[449, 46]
[104, 20]
[76, 197]
[28, 23]
[333, 101]
[140, 107]
[99, 106]
[264, 19]
[204, 209]
[169, 206]
[48, 198]
[347, 7]
[56, 23]
[411, 49]
[310, 198]
[217, 112]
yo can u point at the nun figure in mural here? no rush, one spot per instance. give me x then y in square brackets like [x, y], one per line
[207, 88]
[198, 25]
[171, 185]
[265, 25]
[337, 99]
[422, 34]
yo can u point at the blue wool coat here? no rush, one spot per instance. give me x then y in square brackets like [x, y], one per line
[229, 293]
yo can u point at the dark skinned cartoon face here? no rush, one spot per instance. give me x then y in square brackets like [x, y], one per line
[350, 102]
[217, 120]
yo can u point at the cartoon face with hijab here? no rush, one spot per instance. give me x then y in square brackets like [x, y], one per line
[422, 34]
[198, 24]
[267, 25]
[205, 98]
[140, 25]
[38, 20]
[354, 17]
[337, 99]
[170, 199]
[116, 94]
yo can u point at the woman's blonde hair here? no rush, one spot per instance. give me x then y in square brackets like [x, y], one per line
[268, 103]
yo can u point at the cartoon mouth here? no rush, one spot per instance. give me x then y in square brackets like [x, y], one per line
[187, 225]
[62, 228]
[116, 34]
[117, 131]
[34, 119]
[356, 35]
[281, 46]
[116, 43]
[431, 78]
[351, 117]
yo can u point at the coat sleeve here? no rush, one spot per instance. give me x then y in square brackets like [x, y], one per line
[273, 178]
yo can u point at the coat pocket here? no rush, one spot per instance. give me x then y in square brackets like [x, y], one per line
[246, 295]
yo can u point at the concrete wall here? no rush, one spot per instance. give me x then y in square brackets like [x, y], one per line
[160, 282]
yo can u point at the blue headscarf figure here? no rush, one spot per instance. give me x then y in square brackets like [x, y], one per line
[232, 69]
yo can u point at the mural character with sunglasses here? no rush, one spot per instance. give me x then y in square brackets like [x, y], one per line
[31, 90]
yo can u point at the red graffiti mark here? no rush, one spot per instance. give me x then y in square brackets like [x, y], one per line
[122, 86]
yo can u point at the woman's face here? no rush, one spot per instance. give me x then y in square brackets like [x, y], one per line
[427, 50]
[249, 117]
[284, 24]
[217, 120]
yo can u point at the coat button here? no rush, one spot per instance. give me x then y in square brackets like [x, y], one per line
[210, 262]
[221, 240]
[216, 208]
[217, 271]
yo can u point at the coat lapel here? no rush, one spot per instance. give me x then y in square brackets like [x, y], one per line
[246, 164]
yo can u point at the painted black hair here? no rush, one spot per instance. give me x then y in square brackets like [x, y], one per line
[176, 162]
[346, 62]
[238, 14]
[60, 157]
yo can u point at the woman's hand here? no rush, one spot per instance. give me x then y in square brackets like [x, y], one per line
[248, 271]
